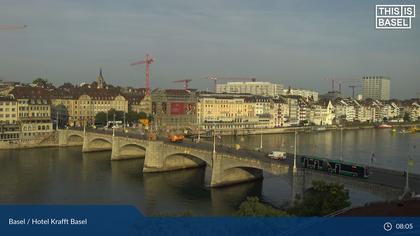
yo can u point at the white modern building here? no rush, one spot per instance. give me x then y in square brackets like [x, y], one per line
[307, 94]
[376, 87]
[251, 87]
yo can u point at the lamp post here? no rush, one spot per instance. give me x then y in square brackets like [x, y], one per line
[295, 153]
[409, 163]
[261, 138]
[56, 119]
[214, 141]
[198, 128]
[341, 143]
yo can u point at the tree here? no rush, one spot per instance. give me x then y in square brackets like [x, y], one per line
[42, 82]
[142, 115]
[253, 207]
[100, 118]
[321, 199]
[131, 117]
[119, 115]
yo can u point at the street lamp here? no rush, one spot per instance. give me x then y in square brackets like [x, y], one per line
[409, 163]
[198, 135]
[261, 138]
[295, 153]
[341, 143]
[56, 119]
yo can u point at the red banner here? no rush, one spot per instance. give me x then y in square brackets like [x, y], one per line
[177, 108]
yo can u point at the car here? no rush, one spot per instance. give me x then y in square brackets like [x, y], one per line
[277, 155]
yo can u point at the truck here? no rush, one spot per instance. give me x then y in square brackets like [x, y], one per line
[277, 155]
[176, 138]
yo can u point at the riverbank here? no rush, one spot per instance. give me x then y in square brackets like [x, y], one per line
[307, 129]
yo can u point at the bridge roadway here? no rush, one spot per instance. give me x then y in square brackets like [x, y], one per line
[241, 165]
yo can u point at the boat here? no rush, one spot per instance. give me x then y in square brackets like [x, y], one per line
[384, 126]
[319, 128]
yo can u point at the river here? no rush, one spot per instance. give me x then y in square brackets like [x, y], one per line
[68, 176]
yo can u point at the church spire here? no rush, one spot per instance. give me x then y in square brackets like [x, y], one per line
[100, 80]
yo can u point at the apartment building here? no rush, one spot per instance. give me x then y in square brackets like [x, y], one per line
[9, 127]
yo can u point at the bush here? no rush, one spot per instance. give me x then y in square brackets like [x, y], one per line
[321, 199]
[253, 207]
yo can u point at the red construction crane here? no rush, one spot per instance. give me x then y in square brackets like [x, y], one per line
[148, 60]
[185, 81]
[12, 27]
[215, 79]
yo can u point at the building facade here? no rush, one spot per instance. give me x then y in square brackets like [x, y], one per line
[376, 87]
[174, 108]
[9, 127]
[255, 87]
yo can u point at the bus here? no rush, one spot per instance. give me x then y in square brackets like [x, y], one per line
[335, 166]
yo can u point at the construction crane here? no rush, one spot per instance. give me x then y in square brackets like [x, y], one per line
[352, 89]
[332, 83]
[215, 79]
[340, 83]
[185, 81]
[12, 27]
[147, 61]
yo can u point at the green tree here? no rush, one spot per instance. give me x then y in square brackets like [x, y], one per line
[142, 115]
[119, 115]
[42, 82]
[253, 207]
[132, 117]
[321, 199]
[100, 118]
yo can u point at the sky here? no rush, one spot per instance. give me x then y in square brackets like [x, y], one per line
[297, 43]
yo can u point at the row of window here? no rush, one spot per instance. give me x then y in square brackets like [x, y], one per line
[38, 127]
[7, 115]
[7, 109]
[8, 103]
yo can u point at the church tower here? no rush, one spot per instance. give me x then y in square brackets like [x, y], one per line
[100, 80]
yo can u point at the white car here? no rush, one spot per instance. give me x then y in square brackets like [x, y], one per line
[277, 155]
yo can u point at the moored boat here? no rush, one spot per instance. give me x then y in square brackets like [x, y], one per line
[384, 126]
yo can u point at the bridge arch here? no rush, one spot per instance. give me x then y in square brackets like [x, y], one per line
[181, 160]
[100, 143]
[239, 174]
[75, 138]
[132, 150]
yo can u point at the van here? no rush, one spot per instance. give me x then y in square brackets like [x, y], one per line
[277, 155]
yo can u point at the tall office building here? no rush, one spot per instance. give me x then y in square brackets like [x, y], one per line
[376, 87]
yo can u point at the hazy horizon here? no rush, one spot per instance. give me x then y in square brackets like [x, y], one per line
[293, 42]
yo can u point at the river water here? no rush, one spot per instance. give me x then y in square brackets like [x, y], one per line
[67, 176]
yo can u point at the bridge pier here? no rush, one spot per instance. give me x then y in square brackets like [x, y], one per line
[153, 161]
[115, 154]
[222, 176]
[62, 138]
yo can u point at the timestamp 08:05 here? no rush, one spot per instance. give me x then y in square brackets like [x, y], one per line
[404, 226]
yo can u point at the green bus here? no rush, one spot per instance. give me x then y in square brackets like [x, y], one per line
[335, 166]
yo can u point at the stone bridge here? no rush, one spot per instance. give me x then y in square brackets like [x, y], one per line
[228, 166]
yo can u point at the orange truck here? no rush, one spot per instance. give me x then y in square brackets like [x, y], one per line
[176, 138]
